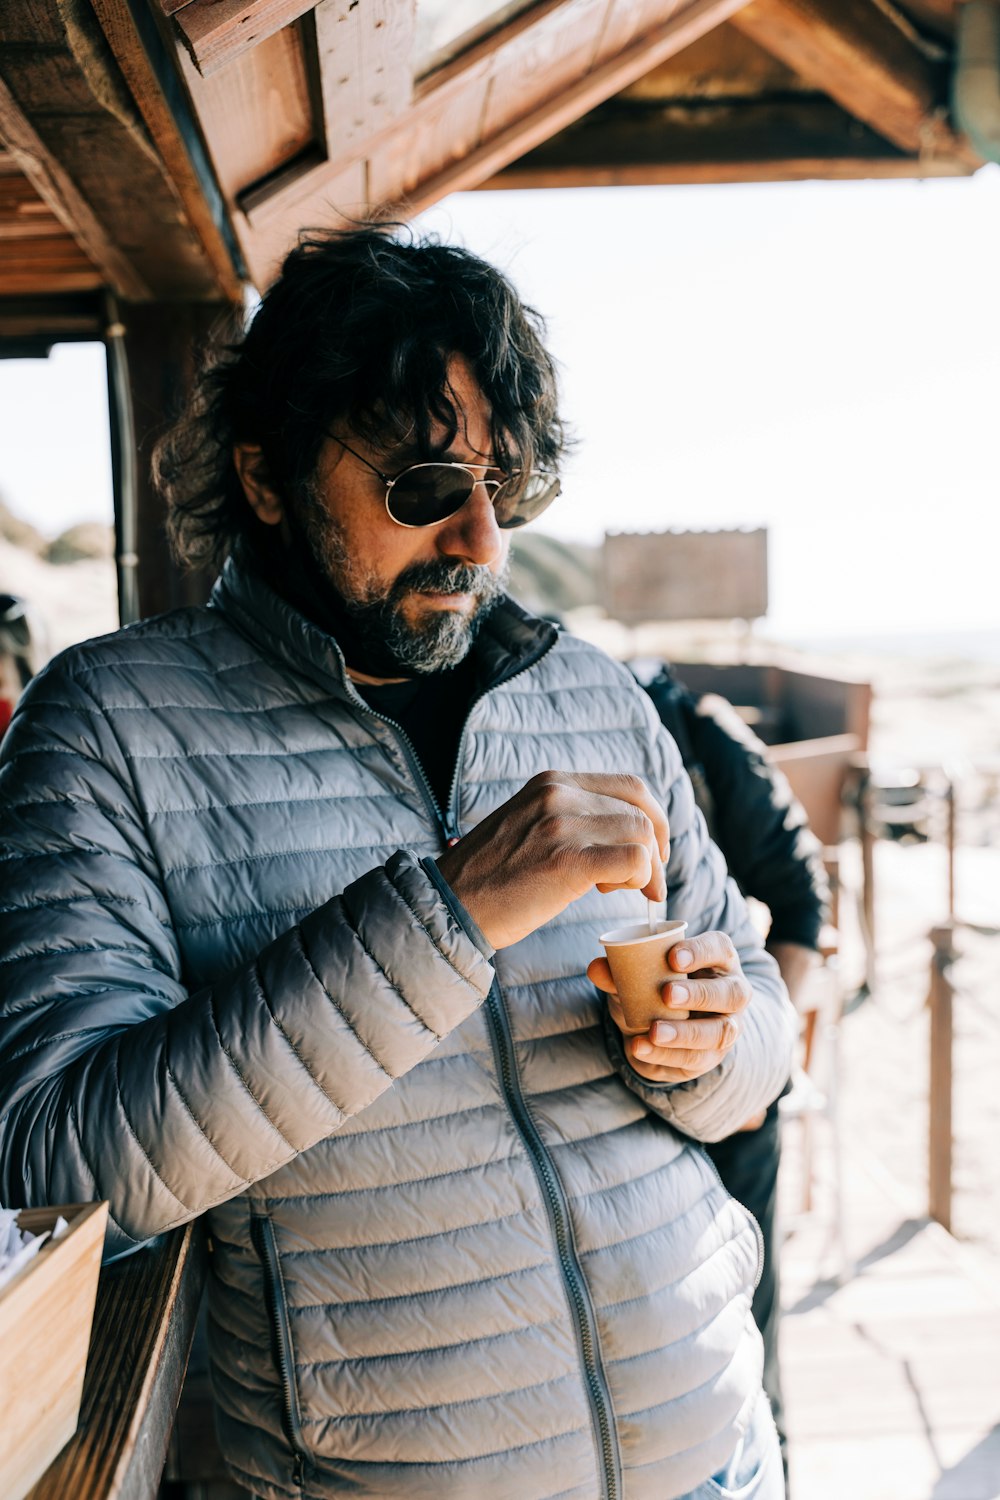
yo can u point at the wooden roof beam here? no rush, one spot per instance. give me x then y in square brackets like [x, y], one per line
[217, 32]
[686, 24]
[365, 68]
[147, 67]
[277, 209]
[855, 53]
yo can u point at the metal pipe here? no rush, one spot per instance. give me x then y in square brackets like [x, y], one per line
[123, 464]
[976, 81]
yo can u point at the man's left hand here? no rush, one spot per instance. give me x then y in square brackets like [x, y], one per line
[711, 985]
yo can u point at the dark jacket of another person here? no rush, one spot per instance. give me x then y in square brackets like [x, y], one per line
[751, 811]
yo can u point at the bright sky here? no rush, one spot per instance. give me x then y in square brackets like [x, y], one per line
[819, 358]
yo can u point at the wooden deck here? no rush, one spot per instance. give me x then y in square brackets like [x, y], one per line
[892, 1376]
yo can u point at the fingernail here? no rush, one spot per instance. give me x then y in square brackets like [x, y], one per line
[641, 1049]
[663, 1032]
[682, 957]
[679, 994]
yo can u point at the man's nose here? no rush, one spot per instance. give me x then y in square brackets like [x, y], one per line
[472, 533]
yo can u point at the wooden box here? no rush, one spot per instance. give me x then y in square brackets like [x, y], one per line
[45, 1318]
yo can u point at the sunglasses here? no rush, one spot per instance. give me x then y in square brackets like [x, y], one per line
[425, 494]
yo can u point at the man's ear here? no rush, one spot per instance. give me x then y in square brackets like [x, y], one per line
[251, 466]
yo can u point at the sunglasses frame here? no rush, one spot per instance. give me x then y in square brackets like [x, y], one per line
[470, 469]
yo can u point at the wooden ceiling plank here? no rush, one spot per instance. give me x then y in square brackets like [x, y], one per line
[216, 32]
[16, 227]
[365, 68]
[59, 247]
[852, 51]
[49, 282]
[53, 183]
[25, 318]
[607, 77]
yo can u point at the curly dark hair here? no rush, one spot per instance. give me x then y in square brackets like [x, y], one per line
[359, 325]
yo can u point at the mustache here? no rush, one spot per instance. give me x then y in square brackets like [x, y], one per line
[448, 578]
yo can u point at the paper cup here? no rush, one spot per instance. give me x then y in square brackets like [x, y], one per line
[639, 968]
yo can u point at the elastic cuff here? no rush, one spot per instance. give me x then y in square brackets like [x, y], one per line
[456, 908]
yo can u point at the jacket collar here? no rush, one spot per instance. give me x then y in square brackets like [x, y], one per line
[509, 641]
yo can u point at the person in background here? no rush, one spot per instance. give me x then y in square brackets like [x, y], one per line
[754, 818]
[17, 655]
[307, 888]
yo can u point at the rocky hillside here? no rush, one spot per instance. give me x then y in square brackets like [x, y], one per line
[553, 577]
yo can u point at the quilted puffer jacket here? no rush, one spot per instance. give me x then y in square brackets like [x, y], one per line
[460, 1248]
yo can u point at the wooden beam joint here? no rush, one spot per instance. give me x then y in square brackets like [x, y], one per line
[853, 51]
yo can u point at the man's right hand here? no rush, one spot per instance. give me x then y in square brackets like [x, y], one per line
[562, 834]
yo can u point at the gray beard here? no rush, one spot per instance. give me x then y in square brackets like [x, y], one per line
[391, 645]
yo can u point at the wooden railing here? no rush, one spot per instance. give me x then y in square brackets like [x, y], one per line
[144, 1322]
[941, 999]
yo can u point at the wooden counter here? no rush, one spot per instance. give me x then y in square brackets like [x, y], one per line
[144, 1322]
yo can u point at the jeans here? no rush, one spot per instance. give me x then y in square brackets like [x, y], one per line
[748, 1165]
[754, 1472]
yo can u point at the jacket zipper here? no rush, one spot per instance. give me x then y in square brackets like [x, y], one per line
[446, 822]
[262, 1238]
[554, 1198]
[553, 1195]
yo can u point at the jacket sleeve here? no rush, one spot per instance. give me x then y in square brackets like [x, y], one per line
[701, 892]
[114, 1081]
[759, 825]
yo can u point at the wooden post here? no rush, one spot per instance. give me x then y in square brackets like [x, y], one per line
[153, 350]
[951, 837]
[866, 834]
[941, 1000]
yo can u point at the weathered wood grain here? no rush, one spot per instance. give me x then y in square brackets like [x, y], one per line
[365, 68]
[45, 1315]
[217, 32]
[143, 1325]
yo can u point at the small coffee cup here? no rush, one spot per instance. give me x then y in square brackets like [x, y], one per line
[638, 960]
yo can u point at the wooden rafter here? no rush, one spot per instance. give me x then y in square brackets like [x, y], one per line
[217, 32]
[178, 149]
[607, 77]
[852, 51]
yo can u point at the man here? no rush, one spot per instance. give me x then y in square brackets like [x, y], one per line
[762, 830]
[298, 928]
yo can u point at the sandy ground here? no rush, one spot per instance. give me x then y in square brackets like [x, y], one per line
[928, 713]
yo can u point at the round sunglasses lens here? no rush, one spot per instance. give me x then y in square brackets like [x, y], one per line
[428, 493]
[524, 497]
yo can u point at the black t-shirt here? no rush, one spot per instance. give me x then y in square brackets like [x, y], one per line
[430, 711]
